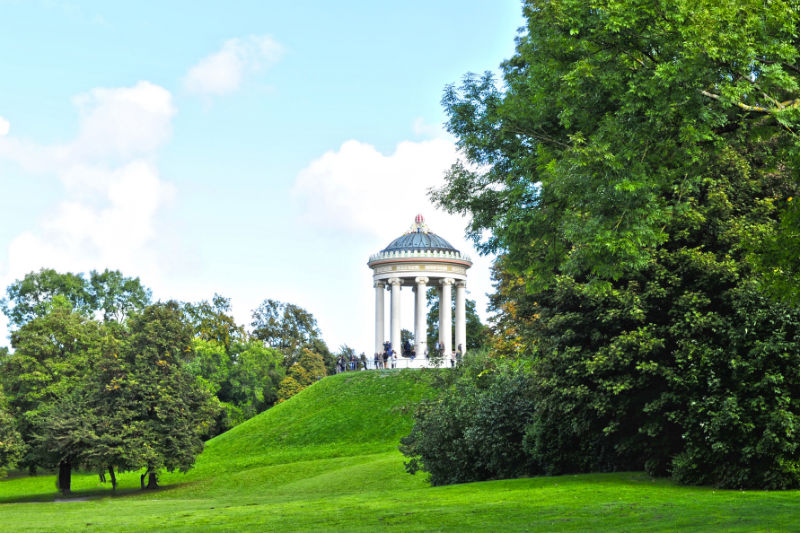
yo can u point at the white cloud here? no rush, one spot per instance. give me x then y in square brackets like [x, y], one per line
[222, 72]
[359, 189]
[5, 125]
[116, 125]
[374, 197]
[115, 230]
[122, 123]
[112, 194]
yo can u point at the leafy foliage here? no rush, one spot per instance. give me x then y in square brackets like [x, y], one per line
[308, 369]
[109, 292]
[244, 378]
[212, 321]
[11, 445]
[173, 410]
[635, 172]
[106, 395]
[290, 329]
[474, 429]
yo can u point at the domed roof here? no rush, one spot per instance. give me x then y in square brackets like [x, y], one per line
[419, 237]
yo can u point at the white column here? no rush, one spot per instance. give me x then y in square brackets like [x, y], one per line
[395, 332]
[445, 312]
[441, 317]
[379, 326]
[461, 316]
[420, 315]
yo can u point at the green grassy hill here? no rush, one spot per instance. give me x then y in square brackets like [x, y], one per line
[327, 460]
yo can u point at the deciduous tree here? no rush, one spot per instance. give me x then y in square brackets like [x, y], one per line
[635, 169]
[45, 380]
[288, 328]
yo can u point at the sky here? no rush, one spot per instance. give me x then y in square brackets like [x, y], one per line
[255, 150]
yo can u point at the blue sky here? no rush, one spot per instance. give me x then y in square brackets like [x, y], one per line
[252, 149]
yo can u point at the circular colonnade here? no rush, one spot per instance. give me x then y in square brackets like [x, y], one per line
[420, 259]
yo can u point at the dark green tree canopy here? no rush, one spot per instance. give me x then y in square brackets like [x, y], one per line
[636, 172]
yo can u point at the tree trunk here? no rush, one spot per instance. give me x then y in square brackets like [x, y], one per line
[113, 477]
[152, 481]
[64, 477]
[141, 479]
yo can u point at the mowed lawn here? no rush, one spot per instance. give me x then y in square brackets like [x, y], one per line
[327, 460]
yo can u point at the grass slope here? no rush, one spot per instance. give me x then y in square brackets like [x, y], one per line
[327, 460]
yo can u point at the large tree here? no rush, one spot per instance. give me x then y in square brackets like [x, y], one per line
[631, 170]
[290, 329]
[107, 292]
[107, 395]
[611, 118]
[171, 410]
[213, 321]
[45, 380]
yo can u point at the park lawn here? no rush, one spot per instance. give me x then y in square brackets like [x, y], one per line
[327, 460]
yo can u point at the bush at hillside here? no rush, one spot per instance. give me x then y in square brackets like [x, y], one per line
[473, 430]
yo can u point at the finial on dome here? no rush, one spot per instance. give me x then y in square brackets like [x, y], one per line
[419, 225]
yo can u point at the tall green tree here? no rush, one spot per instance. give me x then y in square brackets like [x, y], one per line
[171, 409]
[116, 295]
[632, 169]
[213, 321]
[45, 381]
[33, 294]
[611, 117]
[290, 329]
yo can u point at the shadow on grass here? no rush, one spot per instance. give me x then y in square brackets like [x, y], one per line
[78, 496]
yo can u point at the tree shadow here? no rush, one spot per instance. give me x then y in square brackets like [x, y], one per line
[84, 495]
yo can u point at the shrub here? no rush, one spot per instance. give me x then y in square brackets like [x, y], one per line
[741, 423]
[473, 430]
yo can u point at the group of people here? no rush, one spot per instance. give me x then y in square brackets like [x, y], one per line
[349, 364]
[388, 357]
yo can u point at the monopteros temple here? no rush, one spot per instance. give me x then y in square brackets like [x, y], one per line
[420, 259]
